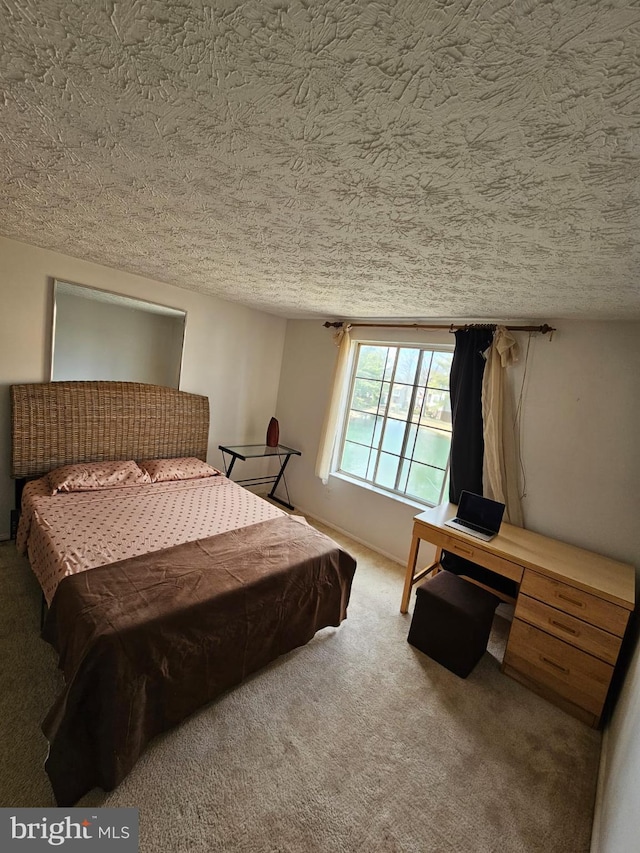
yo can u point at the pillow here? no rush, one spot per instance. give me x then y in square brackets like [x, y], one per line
[183, 468]
[88, 476]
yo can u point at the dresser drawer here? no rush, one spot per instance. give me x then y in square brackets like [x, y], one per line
[574, 601]
[574, 631]
[468, 549]
[570, 673]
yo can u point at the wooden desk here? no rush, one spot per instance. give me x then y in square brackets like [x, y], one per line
[571, 610]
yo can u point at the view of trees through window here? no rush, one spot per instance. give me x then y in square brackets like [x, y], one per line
[398, 428]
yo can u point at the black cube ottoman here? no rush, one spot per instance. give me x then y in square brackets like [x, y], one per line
[452, 621]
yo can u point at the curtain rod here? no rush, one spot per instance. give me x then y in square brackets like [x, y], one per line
[452, 327]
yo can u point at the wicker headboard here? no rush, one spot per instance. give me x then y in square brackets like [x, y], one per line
[57, 423]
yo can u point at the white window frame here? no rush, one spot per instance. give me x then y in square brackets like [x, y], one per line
[393, 493]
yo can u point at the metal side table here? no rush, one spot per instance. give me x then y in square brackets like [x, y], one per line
[254, 451]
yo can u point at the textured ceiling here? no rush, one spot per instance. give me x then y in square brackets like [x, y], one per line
[415, 159]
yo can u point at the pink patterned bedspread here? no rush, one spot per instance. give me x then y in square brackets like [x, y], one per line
[68, 533]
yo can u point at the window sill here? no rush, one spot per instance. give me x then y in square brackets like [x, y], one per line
[403, 499]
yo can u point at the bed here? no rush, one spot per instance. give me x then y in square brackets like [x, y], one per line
[162, 592]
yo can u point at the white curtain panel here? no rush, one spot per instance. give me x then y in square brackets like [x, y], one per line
[330, 427]
[500, 467]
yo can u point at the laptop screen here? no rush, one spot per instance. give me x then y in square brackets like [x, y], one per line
[480, 511]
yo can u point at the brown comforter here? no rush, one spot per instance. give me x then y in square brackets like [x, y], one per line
[146, 641]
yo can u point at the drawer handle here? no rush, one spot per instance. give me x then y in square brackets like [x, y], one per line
[554, 665]
[462, 550]
[564, 627]
[571, 600]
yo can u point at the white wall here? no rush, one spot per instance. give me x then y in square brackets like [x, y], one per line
[581, 417]
[616, 824]
[232, 354]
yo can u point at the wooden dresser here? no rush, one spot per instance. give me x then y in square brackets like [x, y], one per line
[571, 613]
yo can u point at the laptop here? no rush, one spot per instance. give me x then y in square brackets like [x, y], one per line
[477, 516]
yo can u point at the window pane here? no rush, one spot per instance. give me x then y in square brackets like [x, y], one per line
[432, 447]
[425, 367]
[360, 427]
[392, 353]
[411, 440]
[416, 412]
[387, 470]
[373, 458]
[384, 396]
[425, 482]
[440, 370]
[366, 394]
[400, 400]
[371, 362]
[393, 436]
[377, 433]
[407, 364]
[436, 409]
[398, 433]
[354, 459]
[404, 473]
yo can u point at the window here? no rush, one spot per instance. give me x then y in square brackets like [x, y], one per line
[397, 430]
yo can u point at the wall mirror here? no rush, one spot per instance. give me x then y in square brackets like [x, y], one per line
[106, 336]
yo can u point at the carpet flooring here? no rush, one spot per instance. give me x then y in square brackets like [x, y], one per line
[355, 742]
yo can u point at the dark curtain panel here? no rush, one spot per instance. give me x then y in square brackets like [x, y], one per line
[467, 444]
